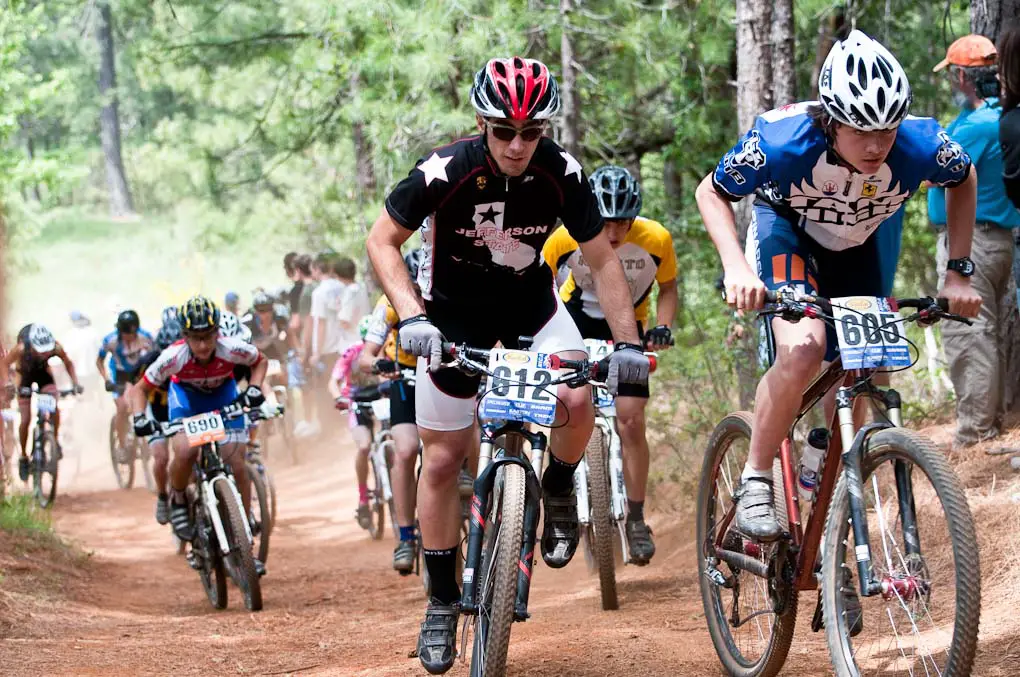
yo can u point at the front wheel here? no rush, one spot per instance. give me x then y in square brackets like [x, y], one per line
[750, 619]
[924, 555]
[376, 502]
[504, 532]
[44, 469]
[602, 527]
[261, 512]
[210, 568]
[240, 562]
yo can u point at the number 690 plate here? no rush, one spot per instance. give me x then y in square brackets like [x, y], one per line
[204, 428]
[517, 387]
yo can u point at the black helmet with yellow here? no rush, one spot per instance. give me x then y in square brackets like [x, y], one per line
[198, 314]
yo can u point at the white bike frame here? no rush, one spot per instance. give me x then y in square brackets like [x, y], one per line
[210, 502]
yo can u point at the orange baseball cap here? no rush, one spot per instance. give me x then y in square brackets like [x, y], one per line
[970, 50]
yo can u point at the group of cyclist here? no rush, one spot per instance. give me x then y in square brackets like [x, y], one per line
[829, 180]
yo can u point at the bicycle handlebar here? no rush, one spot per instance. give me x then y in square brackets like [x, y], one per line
[228, 413]
[793, 306]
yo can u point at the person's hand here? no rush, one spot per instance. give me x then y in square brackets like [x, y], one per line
[78, 389]
[386, 368]
[627, 364]
[342, 403]
[963, 300]
[419, 337]
[143, 425]
[110, 386]
[744, 290]
[252, 398]
[659, 338]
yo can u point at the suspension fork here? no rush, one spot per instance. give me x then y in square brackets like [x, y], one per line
[904, 483]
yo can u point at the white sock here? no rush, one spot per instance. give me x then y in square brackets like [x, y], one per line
[750, 472]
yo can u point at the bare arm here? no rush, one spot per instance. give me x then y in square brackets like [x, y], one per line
[961, 202]
[334, 388]
[669, 299]
[743, 288]
[258, 371]
[101, 367]
[366, 361]
[68, 364]
[138, 395]
[383, 247]
[611, 288]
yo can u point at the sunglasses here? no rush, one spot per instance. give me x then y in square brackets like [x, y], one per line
[508, 132]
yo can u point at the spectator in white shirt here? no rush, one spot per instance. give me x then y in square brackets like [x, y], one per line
[354, 305]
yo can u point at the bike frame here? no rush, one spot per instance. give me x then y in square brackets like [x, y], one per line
[605, 420]
[210, 470]
[845, 450]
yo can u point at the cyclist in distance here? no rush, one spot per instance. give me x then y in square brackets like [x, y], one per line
[382, 338]
[485, 205]
[124, 348]
[645, 249]
[830, 179]
[30, 357]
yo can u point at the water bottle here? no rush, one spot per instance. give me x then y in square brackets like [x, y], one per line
[810, 461]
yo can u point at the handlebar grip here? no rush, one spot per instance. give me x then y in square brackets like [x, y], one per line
[772, 296]
[943, 304]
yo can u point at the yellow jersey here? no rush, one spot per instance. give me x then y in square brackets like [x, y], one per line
[382, 330]
[646, 254]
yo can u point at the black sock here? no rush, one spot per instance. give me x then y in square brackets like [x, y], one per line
[442, 567]
[558, 478]
[635, 511]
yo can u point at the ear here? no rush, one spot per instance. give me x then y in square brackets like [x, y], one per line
[480, 122]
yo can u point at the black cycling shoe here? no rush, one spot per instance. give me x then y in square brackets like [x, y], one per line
[180, 520]
[163, 509]
[560, 532]
[24, 468]
[404, 555]
[639, 539]
[437, 641]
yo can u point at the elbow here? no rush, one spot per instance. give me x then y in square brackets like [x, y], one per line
[705, 190]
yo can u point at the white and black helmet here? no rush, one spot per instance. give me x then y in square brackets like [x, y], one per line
[230, 326]
[40, 338]
[616, 191]
[862, 84]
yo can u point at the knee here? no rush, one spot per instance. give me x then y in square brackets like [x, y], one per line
[441, 464]
[578, 404]
[630, 424]
[800, 361]
[406, 452]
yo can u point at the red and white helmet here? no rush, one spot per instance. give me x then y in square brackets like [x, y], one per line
[515, 89]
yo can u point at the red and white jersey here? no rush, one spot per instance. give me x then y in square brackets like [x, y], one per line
[177, 363]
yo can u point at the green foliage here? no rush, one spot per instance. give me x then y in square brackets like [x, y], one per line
[19, 513]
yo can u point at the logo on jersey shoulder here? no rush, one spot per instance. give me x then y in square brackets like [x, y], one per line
[949, 153]
[869, 189]
[480, 182]
[750, 155]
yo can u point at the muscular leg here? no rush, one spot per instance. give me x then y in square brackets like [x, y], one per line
[630, 422]
[402, 475]
[363, 441]
[160, 465]
[439, 506]
[233, 454]
[122, 420]
[25, 407]
[182, 463]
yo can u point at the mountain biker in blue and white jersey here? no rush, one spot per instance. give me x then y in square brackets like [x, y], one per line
[119, 363]
[830, 179]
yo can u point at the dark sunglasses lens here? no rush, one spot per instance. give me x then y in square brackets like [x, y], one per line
[531, 133]
[503, 133]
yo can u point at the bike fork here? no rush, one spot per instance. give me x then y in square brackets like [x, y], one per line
[855, 486]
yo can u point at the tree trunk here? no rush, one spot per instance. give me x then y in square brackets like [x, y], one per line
[828, 31]
[109, 119]
[784, 73]
[26, 133]
[988, 16]
[570, 138]
[672, 185]
[363, 153]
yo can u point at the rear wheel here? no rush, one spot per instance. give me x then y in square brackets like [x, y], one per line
[925, 620]
[376, 504]
[44, 469]
[750, 619]
[124, 472]
[504, 532]
[602, 527]
[240, 563]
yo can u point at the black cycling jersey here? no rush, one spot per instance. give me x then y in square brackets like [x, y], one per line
[482, 232]
[267, 339]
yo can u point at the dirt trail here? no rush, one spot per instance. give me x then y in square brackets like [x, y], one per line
[332, 604]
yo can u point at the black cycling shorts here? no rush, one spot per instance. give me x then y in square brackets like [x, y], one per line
[595, 328]
[401, 402]
[363, 416]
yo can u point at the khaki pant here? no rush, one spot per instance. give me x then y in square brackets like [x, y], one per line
[977, 355]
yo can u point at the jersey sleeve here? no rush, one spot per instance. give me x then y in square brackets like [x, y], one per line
[557, 247]
[744, 168]
[421, 191]
[946, 163]
[108, 344]
[237, 351]
[378, 326]
[667, 257]
[166, 365]
[580, 212]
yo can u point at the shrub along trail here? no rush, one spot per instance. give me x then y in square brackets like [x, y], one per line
[333, 605]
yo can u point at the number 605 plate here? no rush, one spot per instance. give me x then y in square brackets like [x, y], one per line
[517, 387]
[870, 333]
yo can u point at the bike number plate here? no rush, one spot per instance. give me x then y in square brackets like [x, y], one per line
[381, 409]
[598, 350]
[204, 428]
[516, 388]
[870, 333]
[46, 404]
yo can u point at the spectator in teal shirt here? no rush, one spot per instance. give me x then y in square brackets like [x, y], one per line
[977, 354]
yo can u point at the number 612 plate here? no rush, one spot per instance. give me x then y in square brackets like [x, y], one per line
[870, 333]
[517, 387]
[204, 428]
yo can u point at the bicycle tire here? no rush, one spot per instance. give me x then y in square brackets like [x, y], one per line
[46, 491]
[211, 571]
[378, 506]
[124, 472]
[602, 526]
[264, 512]
[242, 569]
[505, 532]
[906, 445]
[735, 426]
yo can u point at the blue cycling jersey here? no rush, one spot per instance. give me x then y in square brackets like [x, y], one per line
[122, 359]
[788, 162]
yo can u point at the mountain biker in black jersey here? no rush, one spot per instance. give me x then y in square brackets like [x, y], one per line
[269, 334]
[485, 205]
[30, 358]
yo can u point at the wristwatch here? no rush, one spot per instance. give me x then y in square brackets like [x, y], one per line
[964, 266]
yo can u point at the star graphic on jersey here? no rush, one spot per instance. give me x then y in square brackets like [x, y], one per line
[435, 168]
[573, 166]
[489, 215]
